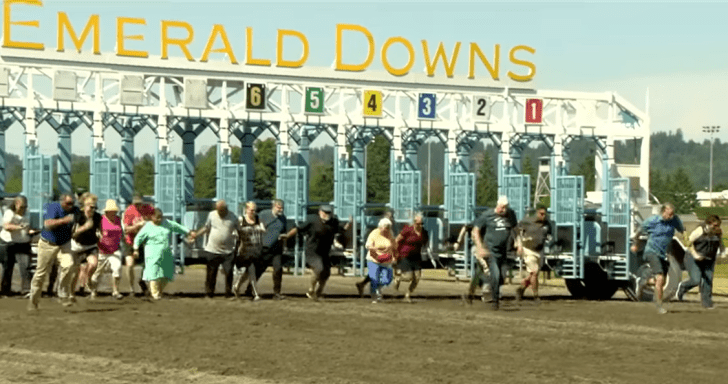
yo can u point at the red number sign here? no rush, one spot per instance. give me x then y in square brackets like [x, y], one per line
[534, 111]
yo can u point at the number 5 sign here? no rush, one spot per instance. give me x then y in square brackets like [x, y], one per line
[534, 111]
[314, 101]
[426, 106]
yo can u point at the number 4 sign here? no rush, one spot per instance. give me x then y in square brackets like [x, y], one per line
[372, 103]
[534, 111]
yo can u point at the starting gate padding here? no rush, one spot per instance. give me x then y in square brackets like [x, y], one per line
[171, 189]
[569, 220]
[461, 197]
[40, 186]
[293, 180]
[518, 190]
[407, 195]
[351, 184]
[233, 186]
[106, 183]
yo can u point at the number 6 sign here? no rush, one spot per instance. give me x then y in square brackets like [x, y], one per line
[534, 111]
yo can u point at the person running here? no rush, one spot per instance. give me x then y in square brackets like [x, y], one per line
[705, 243]
[492, 232]
[409, 244]
[533, 234]
[158, 258]
[660, 229]
[320, 230]
[275, 224]
[248, 254]
[109, 249]
[85, 240]
[16, 234]
[55, 243]
[389, 215]
[382, 254]
[223, 227]
[135, 216]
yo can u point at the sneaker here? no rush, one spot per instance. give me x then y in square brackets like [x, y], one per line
[93, 295]
[679, 293]
[117, 295]
[311, 295]
[639, 288]
[407, 298]
[710, 307]
[467, 298]
[536, 301]
[396, 284]
[67, 302]
[256, 298]
[360, 289]
[494, 306]
[32, 307]
[278, 297]
[661, 310]
[519, 293]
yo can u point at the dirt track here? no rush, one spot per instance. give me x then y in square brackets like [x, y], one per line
[345, 339]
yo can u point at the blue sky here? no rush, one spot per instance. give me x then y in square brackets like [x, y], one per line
[677, 50]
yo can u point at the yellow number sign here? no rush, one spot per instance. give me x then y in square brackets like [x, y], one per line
[372, 103]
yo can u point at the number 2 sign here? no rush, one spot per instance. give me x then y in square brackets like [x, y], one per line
[534, 111]
[481, 108]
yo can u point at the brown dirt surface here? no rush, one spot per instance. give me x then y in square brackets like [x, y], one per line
[347, 339]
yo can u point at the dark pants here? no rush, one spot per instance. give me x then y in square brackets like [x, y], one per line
[495, 264]
[320, 265]
[701, 274]
[7, 259]
[213, 264]
[270, 257]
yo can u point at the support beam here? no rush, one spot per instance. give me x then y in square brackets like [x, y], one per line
[64, 157]
[188, 153]
[126, 163]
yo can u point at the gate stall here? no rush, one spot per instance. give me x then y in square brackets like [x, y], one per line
[406, 195]
[350, 192]
[39, 187]
[568, 207]
[518, 190]
[105, 180]
[460, 205]
[169, 197]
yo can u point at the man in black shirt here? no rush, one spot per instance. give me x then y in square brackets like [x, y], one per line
[320, 231]
[275, 223]
[533, 234]
[492, 232]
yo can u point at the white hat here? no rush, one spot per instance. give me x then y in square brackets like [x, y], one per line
[502, 200]
[385, 222]
[111, 206]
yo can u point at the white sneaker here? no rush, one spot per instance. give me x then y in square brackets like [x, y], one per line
[678, 295]
[639, 288]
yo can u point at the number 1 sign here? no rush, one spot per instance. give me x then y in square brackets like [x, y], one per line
[534, 111]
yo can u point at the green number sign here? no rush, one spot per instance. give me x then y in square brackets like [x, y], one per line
[314, 103]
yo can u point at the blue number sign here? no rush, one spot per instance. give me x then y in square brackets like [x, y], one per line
[426, 106]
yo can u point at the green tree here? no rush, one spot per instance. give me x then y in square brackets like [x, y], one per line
[681, 193]
[144, 175]
[205, 174]
[264, 164]
[378, 171]
[80, 173]
[529, 169]
[586, 169]
[322, 182]
[486, 193]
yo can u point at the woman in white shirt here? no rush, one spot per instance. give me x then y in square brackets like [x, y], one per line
[16, 235]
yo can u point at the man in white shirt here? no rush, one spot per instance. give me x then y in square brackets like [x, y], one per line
[223, 228]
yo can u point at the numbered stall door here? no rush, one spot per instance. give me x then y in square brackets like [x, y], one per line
[40, 186]
[293, 192]
[408, 187]
[619, 223]
[106, 179]
[518, 190]
[232, 182]
[569, 206]
[461, 199]
[170, 190]
[349, 195]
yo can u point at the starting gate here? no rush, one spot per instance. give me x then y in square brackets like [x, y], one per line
[518, 190]
[568, 215]
[232, 186]
[105, 182]
[407, 195]
[39, 187]
[618, 223]
[461, 199]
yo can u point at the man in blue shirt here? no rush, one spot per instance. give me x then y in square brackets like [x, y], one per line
[275, 223]
[660, 229]
[55, 243]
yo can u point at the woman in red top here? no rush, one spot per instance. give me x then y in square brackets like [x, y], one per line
[409, 251]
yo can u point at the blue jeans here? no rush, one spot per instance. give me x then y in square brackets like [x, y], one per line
[495, 264]
[381, 275]
[701, 274]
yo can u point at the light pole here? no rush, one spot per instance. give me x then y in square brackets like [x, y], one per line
[711, 130]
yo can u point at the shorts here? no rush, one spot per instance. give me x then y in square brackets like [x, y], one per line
[81, 252]
[659, 265]
[532, 259]
[128, 250]
[112, 262]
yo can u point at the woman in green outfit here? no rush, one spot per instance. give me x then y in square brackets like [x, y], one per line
[158, 258]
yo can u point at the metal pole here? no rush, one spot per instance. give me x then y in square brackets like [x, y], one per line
[711, 130]
[429, 166]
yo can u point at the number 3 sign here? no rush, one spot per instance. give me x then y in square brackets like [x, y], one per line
[426, 106]
[534, 111]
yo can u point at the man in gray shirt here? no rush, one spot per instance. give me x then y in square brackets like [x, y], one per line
[223, 228]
